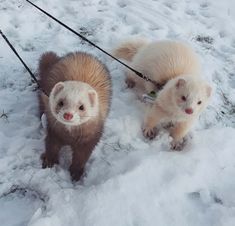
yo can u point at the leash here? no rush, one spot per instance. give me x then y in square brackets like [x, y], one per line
[21, 60]
[151, 96]
[91, 43]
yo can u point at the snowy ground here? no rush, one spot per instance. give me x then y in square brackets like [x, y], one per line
[129, 181]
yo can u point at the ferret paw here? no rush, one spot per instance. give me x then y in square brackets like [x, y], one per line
[76, 174]
[130, 83]
[178, 145]
[47, 162]
[150, 133]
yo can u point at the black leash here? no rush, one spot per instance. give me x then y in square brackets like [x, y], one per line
[25, 65]
[91, 43]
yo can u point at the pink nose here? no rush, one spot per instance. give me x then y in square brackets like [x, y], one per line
[68, 116]
[189, 111]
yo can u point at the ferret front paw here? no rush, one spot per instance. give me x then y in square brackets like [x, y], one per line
[76, 174]
[48, 162]
[178, 145]
[130, 83]
[150, 133]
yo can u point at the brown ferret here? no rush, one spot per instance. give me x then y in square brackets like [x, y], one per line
[79, 90]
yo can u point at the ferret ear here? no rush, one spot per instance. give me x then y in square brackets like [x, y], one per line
[92, 97]
[208, 90]
[181, 82]
[57, 88]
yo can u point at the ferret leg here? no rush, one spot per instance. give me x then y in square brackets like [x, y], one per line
[79, 160]
[153, 117]
[130, 79]
[178, 133]
[51, 155]
[149, 87]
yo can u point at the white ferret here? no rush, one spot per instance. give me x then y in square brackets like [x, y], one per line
[185, 94]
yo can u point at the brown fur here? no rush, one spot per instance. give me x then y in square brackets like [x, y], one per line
[127, 50]
[82, 139]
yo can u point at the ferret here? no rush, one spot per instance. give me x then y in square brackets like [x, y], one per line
[185, 94]
[160, 61]
[180, 102]
[79, 95]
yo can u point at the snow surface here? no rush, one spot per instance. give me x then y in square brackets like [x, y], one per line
[129, 181]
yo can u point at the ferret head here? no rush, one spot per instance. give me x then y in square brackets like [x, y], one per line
[191, 95]
[73, 103]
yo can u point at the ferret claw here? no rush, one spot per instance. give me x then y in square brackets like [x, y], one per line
[76, 174]
[46, 163]
[150, 133]
[178, 145]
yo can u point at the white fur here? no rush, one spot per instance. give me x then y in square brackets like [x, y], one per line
[74, 92]
[195, 90]
[161, 61]
[177, 65]
[169, 107]
[167, 62]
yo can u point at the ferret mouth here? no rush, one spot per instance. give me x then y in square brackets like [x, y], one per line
[68, 122]
[76, 122]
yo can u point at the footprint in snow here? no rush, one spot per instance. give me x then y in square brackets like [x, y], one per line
[190, 12]
[205, 14]
[155, 27]
[204, 5]
[170, 5]
[122, 3]
[103, 3]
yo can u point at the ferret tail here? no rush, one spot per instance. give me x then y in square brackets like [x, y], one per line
[47, 60]
[127, 50]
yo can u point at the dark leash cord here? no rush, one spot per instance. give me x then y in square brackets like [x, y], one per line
[25, 65]
[91, 43]
[79, 35]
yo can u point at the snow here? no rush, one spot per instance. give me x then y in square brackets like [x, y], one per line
[129, 181]
[22, 206]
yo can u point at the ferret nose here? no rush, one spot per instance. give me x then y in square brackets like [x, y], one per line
[189, 111]
[68, 116]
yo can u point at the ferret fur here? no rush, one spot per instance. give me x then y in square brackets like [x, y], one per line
[160, 61]
[180, 103]
[175, 64]
[73, 76]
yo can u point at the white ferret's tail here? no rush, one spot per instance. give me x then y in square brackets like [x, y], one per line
[128, 49]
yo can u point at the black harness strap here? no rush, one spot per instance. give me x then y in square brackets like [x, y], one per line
[25, 65]
[91, 43]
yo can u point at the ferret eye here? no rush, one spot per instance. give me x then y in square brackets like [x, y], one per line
[82, 108]
[199, 102]
[183, 98]
[61, 103]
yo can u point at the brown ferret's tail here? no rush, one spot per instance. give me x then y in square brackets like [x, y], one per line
[128, 49]
[47, 60]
